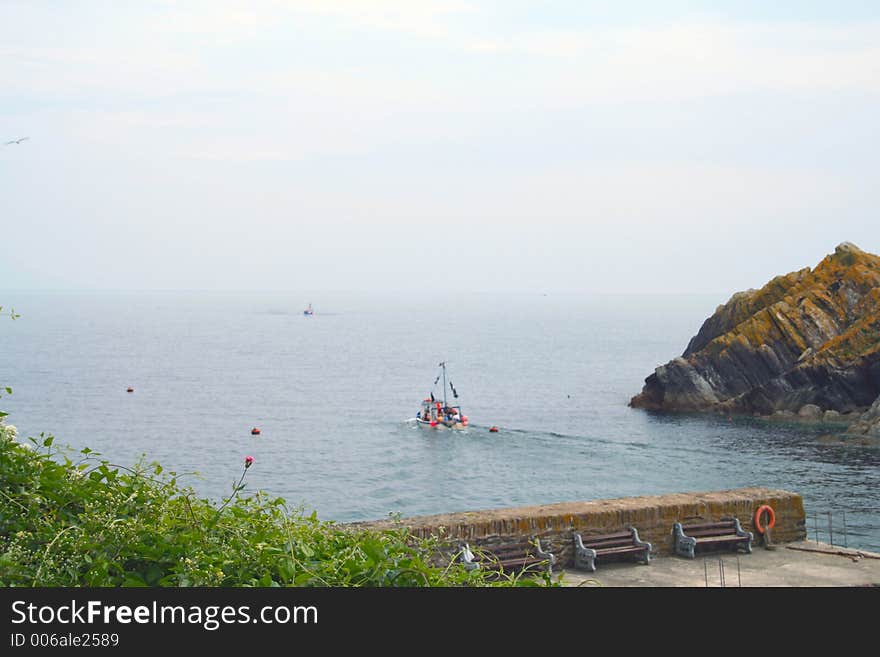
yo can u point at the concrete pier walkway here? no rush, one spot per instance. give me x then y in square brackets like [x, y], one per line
[798, 564]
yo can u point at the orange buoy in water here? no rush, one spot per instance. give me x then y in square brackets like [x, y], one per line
[493, 429]
[255, 432]
[129, 390]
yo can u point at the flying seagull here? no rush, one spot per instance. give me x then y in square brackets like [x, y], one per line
[16, 141]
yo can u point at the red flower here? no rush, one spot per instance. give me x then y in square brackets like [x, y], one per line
[248, 461]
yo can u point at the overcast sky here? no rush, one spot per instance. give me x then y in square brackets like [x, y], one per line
[615, 147]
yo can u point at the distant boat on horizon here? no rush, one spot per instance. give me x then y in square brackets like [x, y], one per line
[308, 312]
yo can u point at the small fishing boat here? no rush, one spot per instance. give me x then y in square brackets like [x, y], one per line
[435, 413]
[308, 312]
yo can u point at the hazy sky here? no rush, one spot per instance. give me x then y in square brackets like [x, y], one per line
[619, 146]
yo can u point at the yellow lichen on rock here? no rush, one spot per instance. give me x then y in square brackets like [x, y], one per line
[810, 337]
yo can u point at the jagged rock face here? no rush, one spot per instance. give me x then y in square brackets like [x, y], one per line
[869, 422]
[811, 337]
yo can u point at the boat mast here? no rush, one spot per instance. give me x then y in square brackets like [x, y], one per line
[443, 365]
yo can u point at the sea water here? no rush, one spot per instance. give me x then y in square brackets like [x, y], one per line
[334, 396]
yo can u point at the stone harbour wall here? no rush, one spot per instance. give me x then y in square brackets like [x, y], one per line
[653, 517]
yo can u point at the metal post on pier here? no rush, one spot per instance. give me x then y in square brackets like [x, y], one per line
[830, 530]
[844, 529]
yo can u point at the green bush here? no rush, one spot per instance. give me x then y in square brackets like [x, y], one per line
[90, 523]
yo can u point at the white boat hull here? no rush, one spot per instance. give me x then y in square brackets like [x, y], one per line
[440, 424]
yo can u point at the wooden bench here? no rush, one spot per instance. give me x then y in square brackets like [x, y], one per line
[521, 556]
[587, 550]
[723, 533]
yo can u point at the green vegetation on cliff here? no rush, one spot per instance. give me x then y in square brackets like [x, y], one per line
[89, 523]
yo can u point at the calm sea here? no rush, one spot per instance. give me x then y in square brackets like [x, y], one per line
[334, 396]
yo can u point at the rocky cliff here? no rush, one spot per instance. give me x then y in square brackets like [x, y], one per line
[807, 342]
[869, 422]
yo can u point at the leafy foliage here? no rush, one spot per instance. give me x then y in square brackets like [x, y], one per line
[91, 523]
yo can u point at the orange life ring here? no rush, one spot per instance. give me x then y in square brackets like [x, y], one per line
[770, 523]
